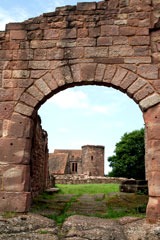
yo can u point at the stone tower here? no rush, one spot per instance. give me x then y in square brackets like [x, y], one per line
[93, 160]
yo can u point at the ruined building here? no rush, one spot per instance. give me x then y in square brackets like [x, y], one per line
[111, 43]
[89, 160]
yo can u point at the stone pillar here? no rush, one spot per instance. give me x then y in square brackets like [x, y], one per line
[152, 122]
[15, 148]
[93, 160]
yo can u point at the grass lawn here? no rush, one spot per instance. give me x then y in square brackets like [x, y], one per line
[79, 189]
[117, 205]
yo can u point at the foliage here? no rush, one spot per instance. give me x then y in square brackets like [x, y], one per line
[128, 160]
[79, 189]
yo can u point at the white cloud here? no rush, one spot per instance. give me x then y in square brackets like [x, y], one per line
[71, 99]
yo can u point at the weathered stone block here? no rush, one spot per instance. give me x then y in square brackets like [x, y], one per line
[23, 54]
[55, 54]
[7, 74]
[38, 73]
[17, 35]
[39, 65]
[17, 65]
[15, 151]
[86, 42]
[21, 74]
[15, 178]
[109, 73]
[6, 55]
[149, 101]
[138, 41]
[69, 43]
[68, 33]
[153, 183]
[120, 40]
[100, 70]
[152, 115]
[139, 83]
[109, 60]
[120, 50]
[152, 129]
[40, 54]
[58, 76]
[129, 79]
[6, 94]
[18, 127]
[50, 81]
[6, 110]
[15, 201]
[153, 210]
[82, 32]
[71, 53]
[127, 31]
[109, 30]
[24, 109]
[137, 60]
[76, 72]
[88, 71]
[140, 31]
[15, 26]
[42, 86]
[28, 99]
[10, 83]
[67, 74]
[141, 51]
[43, 43]
[35, 92]
[17, 93]
[24, 83]
[148, 71]
[94, 32]
[104, 41]
[86, 6]
[119, 76]
[51, 33]
[144, 92]
[153, 162]
[96, 52]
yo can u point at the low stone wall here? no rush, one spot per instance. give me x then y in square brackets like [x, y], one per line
[134, 186]
[83, 179]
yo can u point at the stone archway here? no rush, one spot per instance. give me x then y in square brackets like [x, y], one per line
[109, 43]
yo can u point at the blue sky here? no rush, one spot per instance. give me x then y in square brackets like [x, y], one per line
[79, 115]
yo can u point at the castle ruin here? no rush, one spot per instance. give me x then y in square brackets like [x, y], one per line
[89, 161]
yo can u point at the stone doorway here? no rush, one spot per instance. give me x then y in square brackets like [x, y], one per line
[109, 43]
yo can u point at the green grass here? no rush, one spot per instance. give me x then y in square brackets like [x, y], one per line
[9, 214]
[118, 206]
[115, 214]
[79, 189]
[62, 217]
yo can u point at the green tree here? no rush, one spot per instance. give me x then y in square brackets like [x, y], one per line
[129, 158]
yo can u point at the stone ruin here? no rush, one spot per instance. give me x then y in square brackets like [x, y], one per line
[88, 161]
[112, 43]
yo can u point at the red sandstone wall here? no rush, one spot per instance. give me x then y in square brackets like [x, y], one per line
[84, 179]
[93, 160]
[39, 159]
